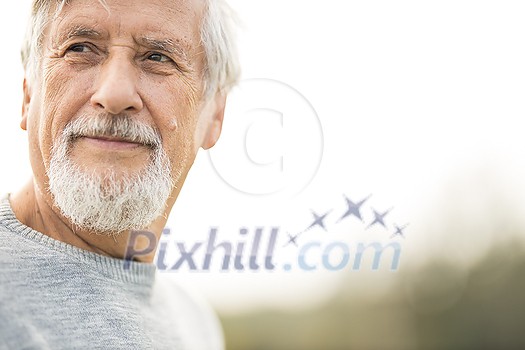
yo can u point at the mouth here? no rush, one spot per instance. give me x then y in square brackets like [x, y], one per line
[111, 143]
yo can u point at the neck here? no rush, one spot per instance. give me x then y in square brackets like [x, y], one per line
[35, 209]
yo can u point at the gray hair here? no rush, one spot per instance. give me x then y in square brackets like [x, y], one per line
[221, 71]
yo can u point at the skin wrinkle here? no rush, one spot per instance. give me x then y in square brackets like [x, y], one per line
[190, 83]
[183, 43]
[198, 55]
[168, 45]
[50, 94]
[221, 74]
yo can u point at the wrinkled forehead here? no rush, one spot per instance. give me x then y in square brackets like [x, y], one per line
[178, 20]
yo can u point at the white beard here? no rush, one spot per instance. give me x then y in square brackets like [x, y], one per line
[110, 202]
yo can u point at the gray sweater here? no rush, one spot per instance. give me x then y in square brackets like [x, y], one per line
[56, 296]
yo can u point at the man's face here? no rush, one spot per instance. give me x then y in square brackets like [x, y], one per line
[138, 61]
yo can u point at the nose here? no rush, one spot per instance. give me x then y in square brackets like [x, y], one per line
[116, 89]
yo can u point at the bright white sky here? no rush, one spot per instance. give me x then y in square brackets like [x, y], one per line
[418, 103]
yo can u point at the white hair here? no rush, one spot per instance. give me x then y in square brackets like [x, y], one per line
[111, 202]
[221, 71]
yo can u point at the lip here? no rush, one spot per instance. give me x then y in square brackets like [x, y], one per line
[111, 143]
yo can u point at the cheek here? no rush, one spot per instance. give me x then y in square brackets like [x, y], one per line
[175, 98]
[174, 106]
[63, 94]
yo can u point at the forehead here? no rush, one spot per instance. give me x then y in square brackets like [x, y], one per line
[179, 20]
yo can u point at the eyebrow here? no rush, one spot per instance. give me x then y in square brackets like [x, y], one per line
[167, 45]
[81, 31]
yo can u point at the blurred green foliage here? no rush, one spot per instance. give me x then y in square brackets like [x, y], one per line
[438, 306]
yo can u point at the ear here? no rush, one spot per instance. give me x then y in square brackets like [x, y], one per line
[213, 131]
[25, 105]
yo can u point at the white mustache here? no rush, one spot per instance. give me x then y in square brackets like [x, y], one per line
[120, 126]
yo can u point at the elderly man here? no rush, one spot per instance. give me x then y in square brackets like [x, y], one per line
[119, 95]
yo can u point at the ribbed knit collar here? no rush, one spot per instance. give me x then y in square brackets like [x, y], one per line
[132, 271]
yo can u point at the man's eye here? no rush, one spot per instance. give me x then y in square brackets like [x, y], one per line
[79, 48]
[157, 57]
